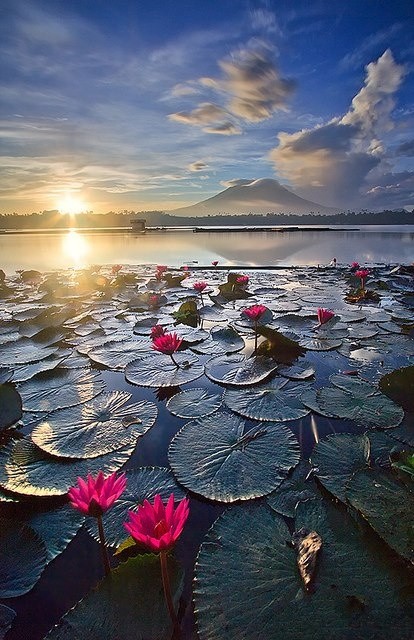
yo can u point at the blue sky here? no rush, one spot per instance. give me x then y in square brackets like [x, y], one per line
[145, 105]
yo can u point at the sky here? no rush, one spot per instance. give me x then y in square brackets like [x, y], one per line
[141, 105]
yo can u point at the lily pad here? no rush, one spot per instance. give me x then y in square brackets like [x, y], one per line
[159, 370]
[356, 594]
[387, 505]
[92, 429]
[278, 346]
[222, 340]
[142, 484]
[298, 371]
[399, 386]
[277, 400]
[216, 458]
[24, 351]
[7, 616]
[336, 458]
[120, 605]
[298, 487]
[60, 389]
[22, 558]
[10, 406]
[6, 375]
[320, 344]
[237, 370]
[56, 528]
[194, 403]
[25, 469]
[116, 355]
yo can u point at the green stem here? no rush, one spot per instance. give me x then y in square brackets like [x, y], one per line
[167, 594]
[175, 362]
[255, 337]
[202, 302]
[104, 550]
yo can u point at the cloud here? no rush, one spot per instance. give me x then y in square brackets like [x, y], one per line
[204, 114]
[252, 85]
[264, 20]
[392, 190]
[406, 148]
[199, 165]
[330, 163]
[183, 89]
[236, 182]
[224, 129]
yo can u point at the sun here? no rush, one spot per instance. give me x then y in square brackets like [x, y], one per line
[72, 205]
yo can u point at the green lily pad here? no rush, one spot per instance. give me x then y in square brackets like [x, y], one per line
[60, 389]
[22, 558]
[320, 344]
[375, 411]
[25, 372]
[217, 459]
[142, 484]
[10, 406]
[237, 370]
[358, 387]
[356, 594]
[7, 616]
[297, 487]
[56, 528]
[277, 400]
[25, 469]
[399, 386]
[194, 403]
[222, 340]
[6, 375]
[119, 605]
[336, 458]
[387, 505]
[298, 371]
[278, 346]
[159, 370]
[116, 355]
[24, 351]
[106, 424]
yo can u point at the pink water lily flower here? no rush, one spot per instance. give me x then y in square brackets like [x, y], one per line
[157, 331]
[242, 280]
[354, 265]
[324, 315]
[94, 496]
[362, 273]
[199, 286]
[167, 343]
[116, 268]
[154, 300]
[215, 263]
[156, 526]
[161, 268]
[255, 312]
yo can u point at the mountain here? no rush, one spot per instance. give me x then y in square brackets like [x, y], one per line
[258, 196]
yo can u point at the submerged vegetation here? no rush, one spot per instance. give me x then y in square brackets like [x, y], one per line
[253, 430]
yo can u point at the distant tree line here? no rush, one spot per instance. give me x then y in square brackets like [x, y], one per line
[88, 219]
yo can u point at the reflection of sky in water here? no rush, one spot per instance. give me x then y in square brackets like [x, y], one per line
[50, 251]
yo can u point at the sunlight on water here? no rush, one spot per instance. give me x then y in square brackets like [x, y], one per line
[76, 248]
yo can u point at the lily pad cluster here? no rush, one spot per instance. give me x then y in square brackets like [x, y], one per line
[78, 389]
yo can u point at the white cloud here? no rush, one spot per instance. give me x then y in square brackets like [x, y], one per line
[331, 162]
[199, 165]
[236, 182]
[205, 113]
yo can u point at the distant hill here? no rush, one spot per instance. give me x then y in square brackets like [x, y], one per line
[258, 196]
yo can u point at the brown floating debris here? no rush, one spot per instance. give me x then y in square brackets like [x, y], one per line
[308, 545]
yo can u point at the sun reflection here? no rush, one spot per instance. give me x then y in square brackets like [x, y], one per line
[75, 247]
[72, 205]
[314, 428]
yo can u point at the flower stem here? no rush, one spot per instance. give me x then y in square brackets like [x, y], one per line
[175, 362]
[201, 296]
[255, 337]
[167, 593]
[104, 550]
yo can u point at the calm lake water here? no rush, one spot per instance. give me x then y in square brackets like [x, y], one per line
[45, 251]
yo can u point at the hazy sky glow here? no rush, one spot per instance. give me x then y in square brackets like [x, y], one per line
[159, 104]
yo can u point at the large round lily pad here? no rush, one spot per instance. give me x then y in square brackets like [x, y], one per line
[142, 484]
[56, 528]
[106, 424]
[119, 607]
[22, 558]
[216, 458]
[24, 351]
[247, 584]
[297, 487]
[159, 370]
[276, 400]
[222, 340]
[10, 406]
[387, 505]
[116, 355]
[194, 403]
[237, 370]
[26, 469]
[336, 458]
[59, 389]
[320, 343]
